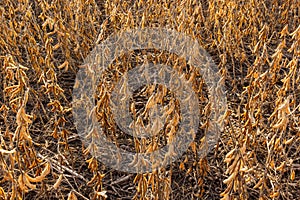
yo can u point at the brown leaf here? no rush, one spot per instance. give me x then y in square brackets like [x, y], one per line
[72, 196]
[40, 178]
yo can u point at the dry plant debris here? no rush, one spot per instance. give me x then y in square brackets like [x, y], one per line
[256, 45]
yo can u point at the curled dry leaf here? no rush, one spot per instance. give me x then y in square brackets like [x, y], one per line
[40, 178]
[21, 183]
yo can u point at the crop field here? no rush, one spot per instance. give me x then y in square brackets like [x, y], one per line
[253, 145]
